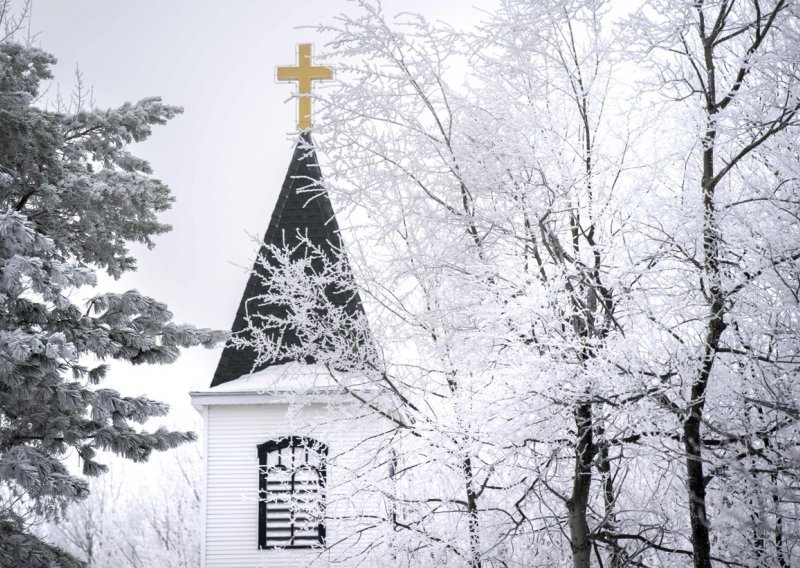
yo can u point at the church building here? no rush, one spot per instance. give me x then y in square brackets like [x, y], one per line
[291, 477]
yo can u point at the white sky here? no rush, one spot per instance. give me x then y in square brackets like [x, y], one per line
[225, 158]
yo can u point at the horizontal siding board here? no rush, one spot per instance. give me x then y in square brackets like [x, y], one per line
[231, 503]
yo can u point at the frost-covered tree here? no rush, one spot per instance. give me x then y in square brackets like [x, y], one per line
[72, 199]
[138, 518]
[484, 224]
[577, 251]
[723, 290]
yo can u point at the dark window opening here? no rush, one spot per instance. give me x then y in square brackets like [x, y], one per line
[291, 483]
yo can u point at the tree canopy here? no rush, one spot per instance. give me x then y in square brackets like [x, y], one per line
[72, 200]
[575, 234]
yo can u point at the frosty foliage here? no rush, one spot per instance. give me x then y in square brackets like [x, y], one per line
[575, 234]
[138, 519]
[72, 199]
[316, 291]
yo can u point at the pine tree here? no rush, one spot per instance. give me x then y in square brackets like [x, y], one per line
[72, 199]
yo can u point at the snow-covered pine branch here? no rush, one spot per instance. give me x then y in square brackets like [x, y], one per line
[72, 200]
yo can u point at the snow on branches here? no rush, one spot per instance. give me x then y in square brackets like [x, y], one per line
[72, 200]
[575, 234]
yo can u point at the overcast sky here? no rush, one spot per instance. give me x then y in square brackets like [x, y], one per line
[225, 158]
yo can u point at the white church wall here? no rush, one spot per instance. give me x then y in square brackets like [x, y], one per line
[233, 433]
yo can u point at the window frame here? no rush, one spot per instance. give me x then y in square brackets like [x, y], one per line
[279, 444]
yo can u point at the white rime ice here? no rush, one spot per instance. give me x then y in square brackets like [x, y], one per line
[576, 235]
[72, 199]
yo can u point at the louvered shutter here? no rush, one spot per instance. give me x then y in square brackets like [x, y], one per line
[292, 493]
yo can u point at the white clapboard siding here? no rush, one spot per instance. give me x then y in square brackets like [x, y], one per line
[233, 433]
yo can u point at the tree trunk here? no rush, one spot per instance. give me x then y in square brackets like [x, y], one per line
[472, 512]
[615, 556]
[778, 525]
[692, 441]
[473, 522]
[578, 504]
[695, 483]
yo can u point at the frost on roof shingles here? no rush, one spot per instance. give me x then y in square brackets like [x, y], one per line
[303, 208]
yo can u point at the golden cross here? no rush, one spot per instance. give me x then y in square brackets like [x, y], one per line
[304, 73]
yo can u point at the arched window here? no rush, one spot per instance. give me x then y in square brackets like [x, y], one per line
[291, 504]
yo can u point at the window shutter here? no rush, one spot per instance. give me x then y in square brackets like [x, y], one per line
[292, 493]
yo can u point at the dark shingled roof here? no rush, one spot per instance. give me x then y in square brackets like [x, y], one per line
[303, 208]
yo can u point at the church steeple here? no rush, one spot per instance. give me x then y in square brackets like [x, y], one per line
[300, 307]
[303, 209]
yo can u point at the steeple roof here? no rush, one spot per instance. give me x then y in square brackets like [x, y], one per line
[303, 209]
